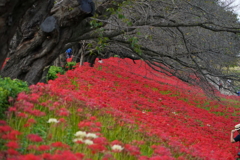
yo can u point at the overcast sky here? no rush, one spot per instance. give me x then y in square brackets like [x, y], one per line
[236, 2]
[237, 10]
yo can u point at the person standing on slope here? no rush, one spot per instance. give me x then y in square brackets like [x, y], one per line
[69, 53]
[237, 138]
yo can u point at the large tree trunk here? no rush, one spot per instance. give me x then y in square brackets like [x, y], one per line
[44, 32]
[38, 48]
[11, 12]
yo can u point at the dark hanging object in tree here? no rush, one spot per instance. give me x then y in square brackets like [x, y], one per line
[87, 6]
[49, 24]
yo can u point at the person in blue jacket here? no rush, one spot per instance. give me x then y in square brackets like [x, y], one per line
[69, 53]
[238, 93]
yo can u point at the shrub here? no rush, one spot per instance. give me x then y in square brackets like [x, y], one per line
[53, 71]
[70, 66]
[9, 88]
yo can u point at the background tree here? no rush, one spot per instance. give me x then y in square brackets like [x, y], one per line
[195, 41]
[192, 40]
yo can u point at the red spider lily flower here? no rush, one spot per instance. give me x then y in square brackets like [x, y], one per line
[11, 135]
[117, 142]
[95, 148]
[21, 114]
[12, 109]
[79, 155]
[161, 158]
[46, 156]
[34, 97]
[36, 112]
[100, 140]
[136, 142]
[27, 125]
[22, 96]
[160, 150]
[30, 157]
[98, 124]
[60, 145]
[84, 124]
[66, 155]
[69, 60]
[181, 158]
[93, 118]
[95, 129]
[45, 104]
[29, 122]
[56, 104]
[132, 149]
[2, 122]
[34, 138]
[32, 147]
[79, 110]
[63, 112]
[3, 155]
[62, 120]
[44, 148]
[107, 157]
[5, 129]
[11, 151]
[12, 144]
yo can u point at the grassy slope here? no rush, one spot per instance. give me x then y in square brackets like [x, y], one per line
[155, 116]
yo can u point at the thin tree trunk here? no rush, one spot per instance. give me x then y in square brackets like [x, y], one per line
[82, 54]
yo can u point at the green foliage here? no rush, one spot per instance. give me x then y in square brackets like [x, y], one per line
[70, 66]
[94, 23]
[134, 44]
[53, 71]
[102, 41]
[9, 88]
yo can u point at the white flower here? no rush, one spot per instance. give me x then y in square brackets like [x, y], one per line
[174, 113]
[88, 142]
[77, 139]
[117, 148]
[80, 134]
[52, 120]
[91, 135]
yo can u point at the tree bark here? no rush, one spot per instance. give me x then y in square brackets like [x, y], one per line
[11, 12]
[39, 47]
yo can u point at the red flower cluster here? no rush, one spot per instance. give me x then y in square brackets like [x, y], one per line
[179, 115]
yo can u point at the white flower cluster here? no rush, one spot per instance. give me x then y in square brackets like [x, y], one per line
[91, 135]
[174, 113]
[117, 148]
[52, 120]
[82, 134]
[75, 140]
[88, 142]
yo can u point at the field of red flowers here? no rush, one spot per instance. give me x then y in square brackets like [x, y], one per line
[118, 110]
